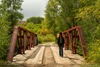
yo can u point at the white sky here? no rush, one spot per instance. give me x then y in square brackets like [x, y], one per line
[33, 8]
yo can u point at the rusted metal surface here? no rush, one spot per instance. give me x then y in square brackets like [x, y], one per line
[82, 40]
[12, 45]
[73, 36]
[24, 38]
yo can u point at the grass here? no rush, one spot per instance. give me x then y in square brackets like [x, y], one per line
[6, 64]
[45, 42]
[90, 65]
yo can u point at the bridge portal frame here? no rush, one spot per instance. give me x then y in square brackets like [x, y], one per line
[72, 37]
[24, 37]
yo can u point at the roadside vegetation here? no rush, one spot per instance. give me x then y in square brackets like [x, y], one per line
[44, 34]
[9, 16]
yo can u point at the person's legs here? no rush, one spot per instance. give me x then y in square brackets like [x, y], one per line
[61, 50]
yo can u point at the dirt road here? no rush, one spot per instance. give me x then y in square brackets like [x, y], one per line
[47, 55]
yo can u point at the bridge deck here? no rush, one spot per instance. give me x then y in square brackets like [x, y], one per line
[47, 55]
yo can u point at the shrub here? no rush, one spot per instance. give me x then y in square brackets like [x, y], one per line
[48, 38]
[4, 38]
[5, 64]
[94, 52]
[40, 38]
[94, 47]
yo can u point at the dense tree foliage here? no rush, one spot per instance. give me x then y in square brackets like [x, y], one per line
[9, 16]
[44, 30]
[50, 16]
[12, 7]
[35, 20]
[4, 37]
[62, 15]
[89, 19]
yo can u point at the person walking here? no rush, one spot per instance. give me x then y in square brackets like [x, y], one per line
[60, 42]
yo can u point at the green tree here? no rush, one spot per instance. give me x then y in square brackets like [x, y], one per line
[44, 30]
[12, 7]
[35, 20]
[36, 28]
[67, 14]
[89, 18]
[4, 37]
[50, 16]
[60, 18]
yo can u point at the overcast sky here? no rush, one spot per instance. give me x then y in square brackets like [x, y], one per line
[33, 8]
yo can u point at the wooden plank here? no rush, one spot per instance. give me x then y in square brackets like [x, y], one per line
[20, 58]
[56, 55]
[38, 57]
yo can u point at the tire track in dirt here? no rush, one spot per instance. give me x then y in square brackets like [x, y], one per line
[48, 56]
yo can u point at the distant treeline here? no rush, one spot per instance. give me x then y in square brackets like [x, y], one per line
[35, 20]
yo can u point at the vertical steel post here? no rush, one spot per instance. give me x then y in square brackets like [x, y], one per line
[23, 42]
[67, 44]
[27, 42]
[13, 44]
[30, 41]
[71, 40]
[82, 40]
[33, 41]
[75, 34]
[25, 39]
[37, 40]
[64, 35]
[20, 42]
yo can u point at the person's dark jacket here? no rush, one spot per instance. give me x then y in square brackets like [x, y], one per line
[58, 41]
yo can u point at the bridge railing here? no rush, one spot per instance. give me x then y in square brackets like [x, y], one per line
[23, 38]
[72, 37]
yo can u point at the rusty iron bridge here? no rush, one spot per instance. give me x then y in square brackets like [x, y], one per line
[25, 39]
